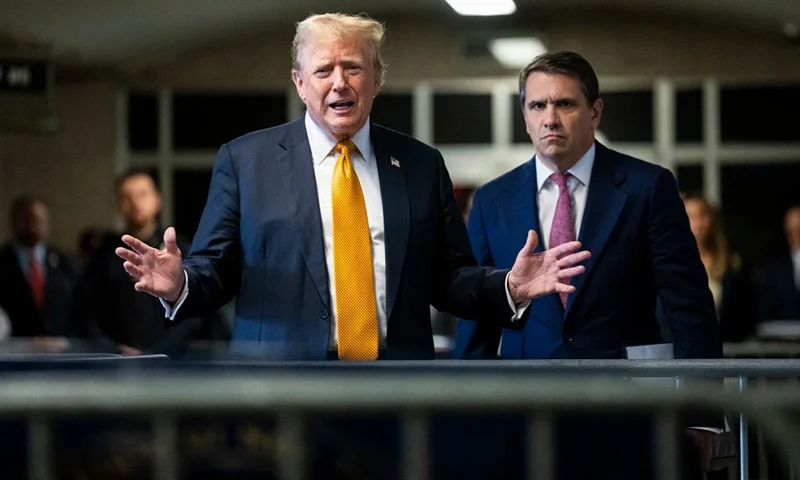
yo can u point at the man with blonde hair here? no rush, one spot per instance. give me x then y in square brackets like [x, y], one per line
[334, 233]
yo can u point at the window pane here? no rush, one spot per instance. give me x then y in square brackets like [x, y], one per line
[394, 110]
[754, 201]
[462, 118]
[628, 116]
[143, 121]
[190, 191]
[754, 114]
[690, 178]
[519, 134]
[689, 116]
[206, 121]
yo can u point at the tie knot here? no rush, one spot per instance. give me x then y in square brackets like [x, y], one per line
[560, 179]
[345, 147]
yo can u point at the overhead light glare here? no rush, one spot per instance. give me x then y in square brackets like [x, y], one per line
[483, 8]
[516, 52]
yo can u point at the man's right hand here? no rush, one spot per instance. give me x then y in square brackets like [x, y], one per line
[158, 272]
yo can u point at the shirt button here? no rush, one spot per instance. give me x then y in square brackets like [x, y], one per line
[324, 314]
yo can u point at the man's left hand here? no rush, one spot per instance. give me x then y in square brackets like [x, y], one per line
[535, 275]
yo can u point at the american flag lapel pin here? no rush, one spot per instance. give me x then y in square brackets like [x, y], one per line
[395, 162]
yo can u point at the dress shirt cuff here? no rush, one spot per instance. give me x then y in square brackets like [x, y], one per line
[519, 310]
[171, 310]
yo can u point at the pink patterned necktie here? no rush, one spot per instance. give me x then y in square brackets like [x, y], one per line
[563, 228]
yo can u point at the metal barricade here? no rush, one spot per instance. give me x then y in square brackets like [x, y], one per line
[294, 390]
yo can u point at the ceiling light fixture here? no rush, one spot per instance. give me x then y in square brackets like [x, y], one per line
[483, 7]
[516, 52]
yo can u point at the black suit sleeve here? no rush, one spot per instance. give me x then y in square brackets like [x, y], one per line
[679, 276]
[213, 267]
[682, 284]
[478, 339]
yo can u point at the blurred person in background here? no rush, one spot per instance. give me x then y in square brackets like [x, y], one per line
[89, 242]
[111, 313]
[729, 281]
[36, 279]
[336, 234]
[779, 281]
[629, 215]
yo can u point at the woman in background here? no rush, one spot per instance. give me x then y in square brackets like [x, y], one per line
[728, 280]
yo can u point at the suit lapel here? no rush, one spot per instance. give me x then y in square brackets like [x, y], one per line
[603, 206]
[297, 176]
[396, 215]
[522, 209]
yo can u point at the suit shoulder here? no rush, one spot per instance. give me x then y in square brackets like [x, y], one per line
[505, 182]
[262, 135]
[634, 166]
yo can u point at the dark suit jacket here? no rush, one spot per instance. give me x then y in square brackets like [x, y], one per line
[16, 298]
[109, 312]
[260, 237]
[636, 229]
[779, 297]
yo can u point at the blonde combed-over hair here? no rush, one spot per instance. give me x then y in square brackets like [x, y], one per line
[340, 26]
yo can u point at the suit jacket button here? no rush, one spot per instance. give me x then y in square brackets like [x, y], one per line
[568, 339]
[324, 314]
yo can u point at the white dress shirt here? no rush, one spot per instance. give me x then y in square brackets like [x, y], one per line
[796, 263]
[324, 156]
[547, 193]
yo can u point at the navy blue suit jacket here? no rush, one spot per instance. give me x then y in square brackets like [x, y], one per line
[260, 238]
[637, 231]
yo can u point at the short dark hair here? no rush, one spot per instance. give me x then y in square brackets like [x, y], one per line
[564, 63]
[130, 173]
[21, 202]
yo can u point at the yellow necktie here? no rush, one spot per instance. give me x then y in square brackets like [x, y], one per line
[356, 315]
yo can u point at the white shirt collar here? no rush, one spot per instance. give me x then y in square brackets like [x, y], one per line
[322, 142]
[582, 170]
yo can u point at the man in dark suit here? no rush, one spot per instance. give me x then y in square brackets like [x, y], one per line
[337, 234]
[779, 281]
[36, 279]
[109, 312]
[625, 211]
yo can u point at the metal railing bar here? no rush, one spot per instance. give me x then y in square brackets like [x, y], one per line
[329, 392]
[714, 368]
[415, 446]
[40, 464]
[165, 446]
[541, 445]
[666, 441]
[292, 451]
[744, 444]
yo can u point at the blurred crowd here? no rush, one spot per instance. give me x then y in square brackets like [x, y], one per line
[54, 302]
